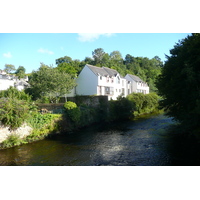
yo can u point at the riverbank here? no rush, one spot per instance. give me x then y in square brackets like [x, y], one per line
[74, 117]
[142, 142]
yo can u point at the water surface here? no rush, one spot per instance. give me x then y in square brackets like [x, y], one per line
[143, 142]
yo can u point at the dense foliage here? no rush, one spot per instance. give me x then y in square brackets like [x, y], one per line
[49, 82]
[144, 103]
[72, 111]
[14, 93]
[13, 112]
[147, 69]
[120, 109]
[179, 83]
[15, 107]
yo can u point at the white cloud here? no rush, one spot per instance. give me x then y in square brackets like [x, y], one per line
[7, 55]
[41, 50]
[90, 37]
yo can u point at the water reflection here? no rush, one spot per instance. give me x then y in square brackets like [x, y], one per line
[145, 142]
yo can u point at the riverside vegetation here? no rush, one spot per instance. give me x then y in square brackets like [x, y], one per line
[17, 108]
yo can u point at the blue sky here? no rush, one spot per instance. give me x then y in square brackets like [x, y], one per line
[29, 49]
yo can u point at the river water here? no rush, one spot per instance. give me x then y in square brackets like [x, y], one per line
[147, 141]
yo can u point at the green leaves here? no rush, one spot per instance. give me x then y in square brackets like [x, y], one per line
[179, 82]
[50, 82]
[13, 112]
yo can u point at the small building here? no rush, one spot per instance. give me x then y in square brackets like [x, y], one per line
[7, 81]
[94, 80]
[137, 84]
[103, 81]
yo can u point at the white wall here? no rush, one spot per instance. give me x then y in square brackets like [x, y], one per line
[138, 86]
[87, 82]
[6, 83]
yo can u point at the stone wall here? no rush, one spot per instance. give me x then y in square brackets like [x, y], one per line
[22, 131]
[92, 101]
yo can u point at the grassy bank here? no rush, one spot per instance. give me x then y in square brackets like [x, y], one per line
[42, 126]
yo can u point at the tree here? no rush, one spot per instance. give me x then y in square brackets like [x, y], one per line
[116, 57]
[98, 56]
[50, 82]
[20, 72]
[66, 59]
[179, 83]
[67, 68]
[129, 59]
[9, 68]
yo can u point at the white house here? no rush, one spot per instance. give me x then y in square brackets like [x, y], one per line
[94, 80]
[7, 81]
[137, 84]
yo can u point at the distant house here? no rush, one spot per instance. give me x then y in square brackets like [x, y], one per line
[7, 81]
[137, 84]
[94, 80]
[104, 81]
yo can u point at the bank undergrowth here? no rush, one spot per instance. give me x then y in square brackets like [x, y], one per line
[73, 116]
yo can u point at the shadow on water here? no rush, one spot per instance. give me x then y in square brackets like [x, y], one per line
[184, 149]
[151, 140]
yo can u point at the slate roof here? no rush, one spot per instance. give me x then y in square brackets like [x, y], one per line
[103, 71]
[136, 78]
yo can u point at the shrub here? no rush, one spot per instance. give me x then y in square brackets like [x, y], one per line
[122, 108]
[13, 112]
[144, 103]
[14, 93]
[72, 111]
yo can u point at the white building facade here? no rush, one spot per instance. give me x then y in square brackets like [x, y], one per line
[7, 81]
[104, 81]
[100, 81]
[137, 85]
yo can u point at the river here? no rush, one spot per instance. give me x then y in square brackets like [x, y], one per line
[147, 141]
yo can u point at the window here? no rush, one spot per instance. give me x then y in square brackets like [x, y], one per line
[109, 90]
[118, 80]
[100, 77]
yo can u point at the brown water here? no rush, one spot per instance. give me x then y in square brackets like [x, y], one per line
[143, 142]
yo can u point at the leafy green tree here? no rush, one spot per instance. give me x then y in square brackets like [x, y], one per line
[98, 55]
[50, 82]
[116, 57]
[65, 59]
[67, 68]
[9, 68]
[179, 83]
[20, 72]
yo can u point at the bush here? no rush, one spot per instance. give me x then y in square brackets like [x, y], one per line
[13, 112]
[144, 103]
[120, 109]
[14, 93]
[72, 111]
